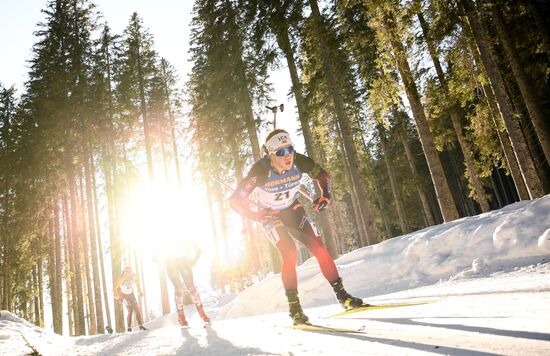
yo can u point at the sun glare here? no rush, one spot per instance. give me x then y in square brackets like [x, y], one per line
[164, 222]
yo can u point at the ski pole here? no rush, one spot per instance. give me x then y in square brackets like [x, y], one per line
[231, 189]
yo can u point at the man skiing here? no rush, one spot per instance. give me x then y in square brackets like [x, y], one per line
[275, 179]
[124, 288]
[179, 263]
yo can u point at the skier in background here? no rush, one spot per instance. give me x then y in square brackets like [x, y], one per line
[179, 261]
[275, 179]
[125, 285]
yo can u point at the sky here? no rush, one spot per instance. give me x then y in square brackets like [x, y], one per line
[167, 20]
[479, 285]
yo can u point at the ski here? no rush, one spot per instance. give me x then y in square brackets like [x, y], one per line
[202, 326]
[376, 307]
[328, 329]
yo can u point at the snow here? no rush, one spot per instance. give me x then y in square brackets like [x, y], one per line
[486, 281]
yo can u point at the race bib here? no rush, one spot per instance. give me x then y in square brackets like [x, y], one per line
[276, 200]
[279, 191]
[127, 287]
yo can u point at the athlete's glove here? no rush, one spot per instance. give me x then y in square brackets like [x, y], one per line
[321, 203]
[266, 215]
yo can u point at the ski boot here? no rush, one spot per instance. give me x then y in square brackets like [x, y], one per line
[204, 317]
[129, 329]
[344, 298]
[141, 327]
[181, 319]
[295, 309]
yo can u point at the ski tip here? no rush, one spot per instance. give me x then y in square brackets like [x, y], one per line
[327, 329]
[378, 306]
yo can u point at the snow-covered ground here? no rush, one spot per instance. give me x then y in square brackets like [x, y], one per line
[487, 278]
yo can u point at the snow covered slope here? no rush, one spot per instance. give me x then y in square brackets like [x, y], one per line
[516, 235]
[488, 278]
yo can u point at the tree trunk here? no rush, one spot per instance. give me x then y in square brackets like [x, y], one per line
[337, 218]
[163, 151]
[504, 139]
[246, 103]
[246, 109]
[172, 124]
[526, 164]
[443, 192]
[377, 191]
[251, 127]
[35, 302]
[100, 325]
[530, 99]
[360, 225]
[480, 193]
[383, 207]
[344, 125]
[86, 254]
[284, 44]
[51, 269]
[143, 109]
[6, 264]
[400, 207]
[414, 170]
[114, 240]
[100, 245]
[69, 268]
[467, 150]
[80, 327]
[6, 281]
[57, 303]
[39, 268]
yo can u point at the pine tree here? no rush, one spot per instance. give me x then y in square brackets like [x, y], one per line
[525, 161]
[344, 122]
[136, 65]
[529, 97]
[225, 83]
[454, 112]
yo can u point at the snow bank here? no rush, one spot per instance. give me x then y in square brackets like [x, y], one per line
[514, 236]
[19, 337]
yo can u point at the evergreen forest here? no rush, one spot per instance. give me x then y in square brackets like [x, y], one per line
[422, 111]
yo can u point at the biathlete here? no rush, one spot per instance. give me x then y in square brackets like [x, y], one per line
[275, 180]
[125, 285]
[179, 267]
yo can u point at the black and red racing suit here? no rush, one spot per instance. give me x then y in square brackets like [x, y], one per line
[277, 192]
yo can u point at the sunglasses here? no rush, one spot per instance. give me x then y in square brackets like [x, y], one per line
[283, 151]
